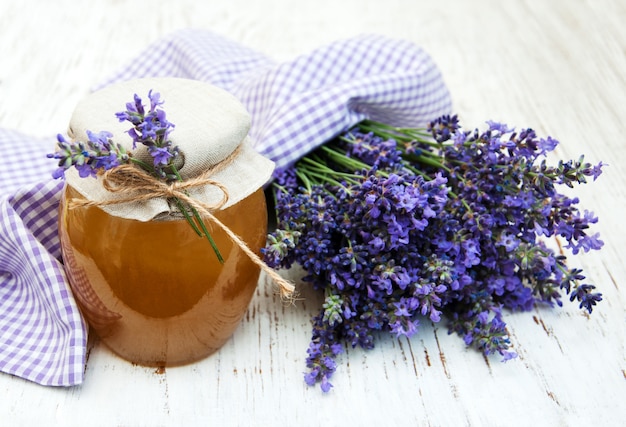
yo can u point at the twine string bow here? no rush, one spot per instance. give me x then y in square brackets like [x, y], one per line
[133, 184]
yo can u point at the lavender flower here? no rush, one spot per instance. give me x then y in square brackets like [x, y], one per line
[152, 129]
[97, 153]
[398, 226]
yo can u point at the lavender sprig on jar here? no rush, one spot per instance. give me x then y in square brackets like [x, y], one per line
[398, 226]
[99, 153]
[150, 129]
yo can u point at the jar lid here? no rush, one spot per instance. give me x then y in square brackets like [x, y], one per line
[210, 124]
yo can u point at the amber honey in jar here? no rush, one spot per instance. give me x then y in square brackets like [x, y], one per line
[149, 285]
[155, 292]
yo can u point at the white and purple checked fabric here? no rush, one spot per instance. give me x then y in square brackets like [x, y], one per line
[42, 334]
[295, 106]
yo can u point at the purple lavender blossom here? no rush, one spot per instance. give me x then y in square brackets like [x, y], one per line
[161, 155]
[100, 153]
[398, 226]
[152, 129]
[97, 153]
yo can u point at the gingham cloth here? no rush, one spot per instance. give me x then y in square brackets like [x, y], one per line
[295, 106]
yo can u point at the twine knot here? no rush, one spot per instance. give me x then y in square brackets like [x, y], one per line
[138, 185]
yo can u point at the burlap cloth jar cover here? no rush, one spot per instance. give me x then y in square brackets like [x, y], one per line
[210, 124]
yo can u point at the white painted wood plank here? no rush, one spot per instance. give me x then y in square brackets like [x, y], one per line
[557, 66]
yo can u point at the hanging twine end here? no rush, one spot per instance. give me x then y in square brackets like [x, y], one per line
[287, 292]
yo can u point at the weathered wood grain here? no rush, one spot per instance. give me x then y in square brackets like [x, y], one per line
[558, 66]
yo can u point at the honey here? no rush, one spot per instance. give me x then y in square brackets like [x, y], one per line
[155, 292]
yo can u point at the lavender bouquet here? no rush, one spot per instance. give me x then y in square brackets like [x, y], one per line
[397, 225]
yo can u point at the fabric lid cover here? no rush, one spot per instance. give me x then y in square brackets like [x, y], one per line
[209, 123]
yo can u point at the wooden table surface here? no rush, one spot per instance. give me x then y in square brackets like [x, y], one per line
[557, 66]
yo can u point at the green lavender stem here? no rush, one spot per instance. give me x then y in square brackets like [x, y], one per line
[197, 220]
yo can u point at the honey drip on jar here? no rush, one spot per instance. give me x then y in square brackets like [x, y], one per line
[155, 292]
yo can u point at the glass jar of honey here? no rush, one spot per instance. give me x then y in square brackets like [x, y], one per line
[150, 286]
[155, 292]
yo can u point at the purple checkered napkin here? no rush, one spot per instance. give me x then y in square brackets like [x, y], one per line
[298, 105]
[42, 334]
[295, 106]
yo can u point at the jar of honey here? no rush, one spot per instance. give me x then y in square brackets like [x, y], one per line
[155, 292]
[150, 287]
